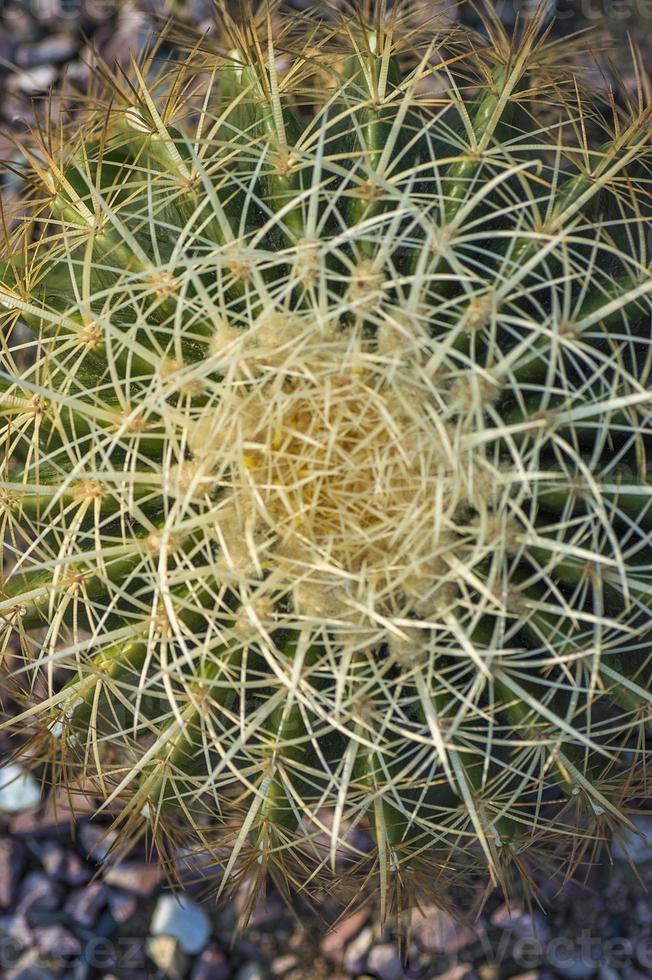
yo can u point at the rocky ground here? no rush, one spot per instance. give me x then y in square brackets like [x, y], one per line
[61, 916]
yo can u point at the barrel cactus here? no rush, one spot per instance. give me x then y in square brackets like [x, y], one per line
[325, 490]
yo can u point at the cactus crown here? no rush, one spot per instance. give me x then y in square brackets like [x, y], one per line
[325, 481]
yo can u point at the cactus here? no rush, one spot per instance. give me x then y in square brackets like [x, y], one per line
[324, 482]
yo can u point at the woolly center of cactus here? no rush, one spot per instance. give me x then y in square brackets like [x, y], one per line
[339, 482]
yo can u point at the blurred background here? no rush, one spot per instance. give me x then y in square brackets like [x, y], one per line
[61, 913]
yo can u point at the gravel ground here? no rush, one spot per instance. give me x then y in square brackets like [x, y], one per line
[62, 915]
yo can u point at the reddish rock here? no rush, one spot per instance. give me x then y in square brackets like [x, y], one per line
[122, 905]
[435, 931]
[334, 944]
[132, 876]
[57, 816]
[77, 872]
[12, 862]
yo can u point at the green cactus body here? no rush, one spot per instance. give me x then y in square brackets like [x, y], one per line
[326, 486]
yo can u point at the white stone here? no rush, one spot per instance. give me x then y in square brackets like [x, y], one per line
[250, 971]
[19, 790]
[166, 952]
[385, 961]
[179, 917]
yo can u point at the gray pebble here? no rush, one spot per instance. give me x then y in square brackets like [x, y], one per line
[31, 82]
[53, 860]
[250, 971]
[6, 46]
[355, 957]
[521, 924]
[29, 967]
[56, 941]
[179, 917]
[38, 894]
[51, 51]
[85, 904]
[572, 965]
[122, 905]
[95, 841]
[607, 972]
[211, 965]
[385, 961]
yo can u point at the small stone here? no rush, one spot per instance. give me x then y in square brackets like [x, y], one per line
[488, 971]
[19, 791]
[283, 964]
[16, 936]
[29, 967]
[85, 904]
[76, 871]
[333, 944]
[51, 51]
[53, 860]
[211, 965]
[457, 972]
[521, 924]
[635, 846]
[96, 841]
[166, 953]
[355, 957]
[56, 941]
[6, 46]
[122, 905]
[38, 894]
[435, 931]
[384, 961]
[570, 963]
[250, 971]
[34, 80]
[12, 862]
[55, 818]
[181, 918]
[132, 876]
